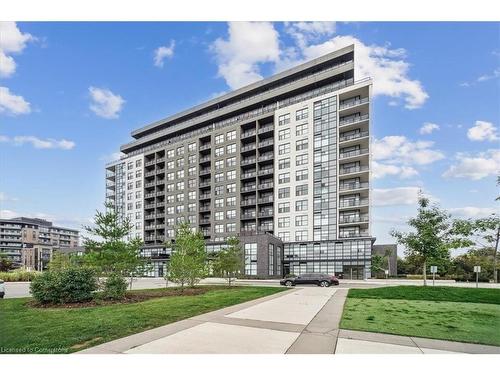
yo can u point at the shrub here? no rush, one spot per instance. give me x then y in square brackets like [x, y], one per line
[115, 287]
[68, 285]
[18, 275]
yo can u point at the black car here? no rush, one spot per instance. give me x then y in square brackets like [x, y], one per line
[320, 279]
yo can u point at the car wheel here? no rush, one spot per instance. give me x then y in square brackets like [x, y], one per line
[288, 283]
[324, 284]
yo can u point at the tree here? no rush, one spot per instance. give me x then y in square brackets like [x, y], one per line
[463, 265]
[433, 236]
[5, 263]
[484, 232]
[113, 255]
[378, 262]
[188, 261]
[229, 260]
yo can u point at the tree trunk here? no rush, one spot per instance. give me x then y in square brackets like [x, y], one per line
[425, 272]
[495, 273]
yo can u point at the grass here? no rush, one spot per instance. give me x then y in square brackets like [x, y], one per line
[25, 329]
[446, 313]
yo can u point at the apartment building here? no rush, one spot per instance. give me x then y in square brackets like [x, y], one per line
[31, 242]
[283, 163]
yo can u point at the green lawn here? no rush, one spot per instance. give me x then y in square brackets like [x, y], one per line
[447, 313]
[46, 330]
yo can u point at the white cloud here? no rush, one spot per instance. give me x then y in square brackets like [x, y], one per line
[406, 195]
[4, 197]
[473, 212]
[163, 52]
[475, 167]
[305, 32]
[248, 44]
[380, 170]
[112, 157]
[428, 128]
[8, 214]
[386, 66]
[105, 103]
[12, 40]
[12, 104]
[398, 149]
[485, 77]
[483, 131]
[38, 143]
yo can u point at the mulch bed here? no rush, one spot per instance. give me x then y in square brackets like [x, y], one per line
[131, 297]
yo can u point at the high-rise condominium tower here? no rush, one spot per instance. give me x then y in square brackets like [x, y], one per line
[283, 163]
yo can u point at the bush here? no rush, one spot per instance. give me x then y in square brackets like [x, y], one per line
[72, 284]
[115, 287]
[18, 275]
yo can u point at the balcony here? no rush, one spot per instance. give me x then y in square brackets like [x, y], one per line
[353, 234]
[248, 232]
[150, 195]
[148, 206]
[248, 161]
[205, 196]
[160, 181]
[248, 202]
[149, 217]
[265, 157]
[350, 137]
[206, 146]
[204, 207]
[354, 186]
[352, 103]
[205, 159]
[205, 171]
[204, 221]
[266, 228]
[248, 215]
[266, 171]
[160, 215]
[245, 189]
[160, 193]
[149, 184]
[161, 170]
[160, 204]
[268, 185]
[265, 213]
[266, 200]
[353, 203]
[353, 120]
[266, 143]
[350, 154]
[249, 147]
[248, 175]
[248, 133]
[353, 219]
[149, 163]
[160, 160]
[363, 168]
[266, 129]
[204, 184]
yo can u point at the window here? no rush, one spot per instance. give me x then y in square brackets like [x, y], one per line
[301, 144]
[301, 205]
[219, 215]
[231, 201]
[138, 183]
[301, 190]
[192, 207]
[138, 194]
[284, 134]
[270, 252]
[219, 177]
[250, 251]
[231, 162]
[192, 195]
[219, 151]
[231, 227]
[170, 153]
[301, 235]
[301, 175]
[191, 183]
[219, 228]
[192, 147]
[219, 164]
[180, 185]
[130, 175]
[301, 129]
[230, 136]
[130, 186]
[284, 192]
[180, 174]
[219, 190]
[138, 215]
[170, 176]
[301, 220]
[130, 206]
[219, 203]
[192, 171]
[170, 187]
[179, 209]
[180, 150]
[219, 138]
[284, 149]
[283, 222]
[283, 207]
[171, 165]
[138, 163]
[284, 119]
[130, 165]
[284, 236]
[179, 220]
[179, 197]
[231, 214]
[180, 163]
[283, 178]
[231, 188]
[231, 175]
[284, 163]
[138, 205]
[301, 159]
[192, 219]
[191, 159]
[170, 199]
[138, 225]
[231, 149]
[170, 210]
[301, 114]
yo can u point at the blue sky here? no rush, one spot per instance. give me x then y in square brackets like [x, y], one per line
[71, 93]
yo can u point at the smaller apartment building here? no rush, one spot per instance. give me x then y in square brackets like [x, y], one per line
[30, 242]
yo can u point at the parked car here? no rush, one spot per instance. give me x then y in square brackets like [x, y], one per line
[320, 279]
[2, 289]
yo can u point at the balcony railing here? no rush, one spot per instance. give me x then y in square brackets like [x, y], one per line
[267, 185]
[248, 133]
[160, 182]
[205, 147]
[204, 159]
[350, 137]
[249, 174]
[204, 184]
[249, 147]
[266, 157]
[248, 161]
[205, 208]
[353, 219]
[352, 234]
[266, 171]
[204, 221]
[350, 154]
[353, 120]
[266, 200]
[205, 196]
[362, 168]
[248, 202]
[265, 213]
[352, 103]
[268, 142]
[248, 215]
[205, 171]
[248, 188]
[353, 203]
[265, 129]
[354, 186]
